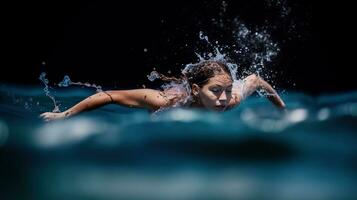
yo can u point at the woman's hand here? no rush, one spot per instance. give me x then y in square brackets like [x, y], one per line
[50, 116]
[253, 83]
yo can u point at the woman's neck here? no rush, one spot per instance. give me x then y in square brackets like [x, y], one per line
[196, 103]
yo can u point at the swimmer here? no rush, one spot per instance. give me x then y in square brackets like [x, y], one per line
[209, 86]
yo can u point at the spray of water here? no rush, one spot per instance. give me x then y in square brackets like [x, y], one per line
[66, 82]
[203, 37]
[254, 49]
[47, 92]
[153, 75]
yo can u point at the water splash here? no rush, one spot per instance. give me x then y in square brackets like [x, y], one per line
[250, 47]
[254, 49]
[66, 82]
[47, 92]
[203, 37]
[153, 75]
[251, 51]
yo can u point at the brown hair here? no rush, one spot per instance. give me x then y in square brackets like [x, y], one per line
[199, 73]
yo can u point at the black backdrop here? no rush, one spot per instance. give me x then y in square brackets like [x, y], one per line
[116, 44]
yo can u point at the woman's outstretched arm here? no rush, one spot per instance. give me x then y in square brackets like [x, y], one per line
[253, 83]
[139, 98]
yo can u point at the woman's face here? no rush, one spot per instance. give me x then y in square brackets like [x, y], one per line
[216, 93]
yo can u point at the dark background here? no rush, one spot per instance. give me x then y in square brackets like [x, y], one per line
[103, 42]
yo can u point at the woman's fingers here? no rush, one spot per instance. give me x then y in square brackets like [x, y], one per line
[43, 115]
[49, 116]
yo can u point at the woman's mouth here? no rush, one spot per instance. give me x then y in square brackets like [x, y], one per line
[220, 107]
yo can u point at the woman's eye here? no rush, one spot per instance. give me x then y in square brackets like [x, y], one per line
[215, 90]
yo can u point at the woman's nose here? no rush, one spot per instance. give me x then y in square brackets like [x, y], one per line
[223, 96]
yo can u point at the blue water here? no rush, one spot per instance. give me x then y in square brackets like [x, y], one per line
[251, 152]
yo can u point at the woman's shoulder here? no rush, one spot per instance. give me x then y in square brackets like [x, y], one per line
[176, 95]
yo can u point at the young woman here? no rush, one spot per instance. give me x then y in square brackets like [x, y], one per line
[209, 85]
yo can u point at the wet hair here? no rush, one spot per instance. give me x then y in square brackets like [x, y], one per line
[199, 73]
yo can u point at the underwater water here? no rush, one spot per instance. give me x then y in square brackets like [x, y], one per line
[251, 152]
